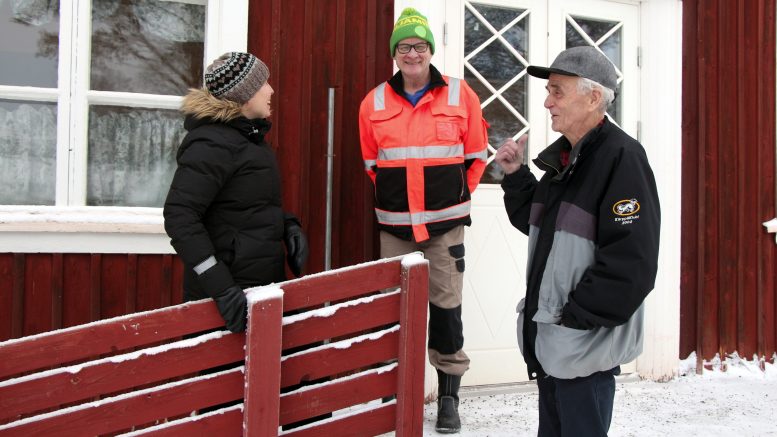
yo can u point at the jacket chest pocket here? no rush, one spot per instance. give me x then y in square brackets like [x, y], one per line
[448, 131]
[386, 124]
[450, 123]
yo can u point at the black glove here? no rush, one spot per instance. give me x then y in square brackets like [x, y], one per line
[233, 308]
[296, 247]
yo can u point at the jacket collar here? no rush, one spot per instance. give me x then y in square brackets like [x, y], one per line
[549, 159]
[398, 84]
[253, 130]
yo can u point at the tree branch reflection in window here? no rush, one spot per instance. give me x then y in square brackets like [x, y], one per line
[147, 46]
[29, 43]
[499, 66]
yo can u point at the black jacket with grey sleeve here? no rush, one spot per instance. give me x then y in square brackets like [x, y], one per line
[593, 227]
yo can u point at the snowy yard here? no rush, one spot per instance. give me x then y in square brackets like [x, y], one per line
[739, 402]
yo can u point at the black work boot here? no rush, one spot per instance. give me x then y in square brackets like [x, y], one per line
[448, 421]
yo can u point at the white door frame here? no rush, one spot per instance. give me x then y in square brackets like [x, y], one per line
[659, 116]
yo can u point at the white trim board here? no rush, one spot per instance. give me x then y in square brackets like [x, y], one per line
[52, 229]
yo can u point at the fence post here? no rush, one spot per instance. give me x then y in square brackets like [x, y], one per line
[261, 407]
[414, 297]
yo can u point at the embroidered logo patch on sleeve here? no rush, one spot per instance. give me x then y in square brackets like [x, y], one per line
[626, 207]
[626, 211]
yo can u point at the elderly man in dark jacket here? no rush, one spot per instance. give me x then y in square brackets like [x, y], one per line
[223, 212]
[593, 223]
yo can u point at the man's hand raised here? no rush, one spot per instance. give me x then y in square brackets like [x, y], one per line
[509, 156]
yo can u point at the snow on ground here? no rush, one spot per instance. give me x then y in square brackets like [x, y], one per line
[742, 401]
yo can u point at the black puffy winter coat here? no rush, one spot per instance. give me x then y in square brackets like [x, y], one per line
[225, 199]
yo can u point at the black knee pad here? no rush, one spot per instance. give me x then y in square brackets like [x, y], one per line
[446, 334]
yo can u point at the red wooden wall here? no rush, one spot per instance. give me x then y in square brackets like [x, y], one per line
[42, 292]
[310, 46]
[728, 276]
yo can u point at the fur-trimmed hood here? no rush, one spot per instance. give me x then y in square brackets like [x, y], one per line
[202, 109]
[199, 103]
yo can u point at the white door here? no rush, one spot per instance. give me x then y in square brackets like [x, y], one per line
[490, 43]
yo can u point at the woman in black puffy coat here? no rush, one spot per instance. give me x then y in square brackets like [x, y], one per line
[223, 211]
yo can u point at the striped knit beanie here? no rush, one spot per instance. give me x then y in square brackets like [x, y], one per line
[236, 76]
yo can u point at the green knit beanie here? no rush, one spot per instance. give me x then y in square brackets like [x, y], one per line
[411, 24]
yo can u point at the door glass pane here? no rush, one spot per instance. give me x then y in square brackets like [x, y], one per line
[496, 41]
[131, 155]
[147, 46]
[606, 35]
[28, 153]
[29, 43]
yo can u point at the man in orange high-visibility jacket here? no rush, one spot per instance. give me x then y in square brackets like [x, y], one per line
[423, 140]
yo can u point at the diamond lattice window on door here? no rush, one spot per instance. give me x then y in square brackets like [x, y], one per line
[496, 41]
[606, 36]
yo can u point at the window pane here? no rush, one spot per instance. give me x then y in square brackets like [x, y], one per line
[498, 17]
[28, 152]
[499, 67]
[131, 155]
[29, 43]
[504, 125]
[147, 46]
[610, 46]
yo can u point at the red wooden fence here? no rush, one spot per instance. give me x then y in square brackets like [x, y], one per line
[136, 374]
[729, 262]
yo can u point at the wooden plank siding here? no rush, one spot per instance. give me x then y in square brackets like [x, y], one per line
[311, 46]
[728, 279]
[42, 292]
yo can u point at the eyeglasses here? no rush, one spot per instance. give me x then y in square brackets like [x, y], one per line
[419, 48]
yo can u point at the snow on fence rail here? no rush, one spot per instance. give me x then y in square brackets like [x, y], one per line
[299, 370]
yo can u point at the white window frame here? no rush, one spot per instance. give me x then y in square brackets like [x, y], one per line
[659, 113]
[70, 225]
[539, 54]
[535, 114]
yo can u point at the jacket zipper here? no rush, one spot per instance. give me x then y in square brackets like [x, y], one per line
[463, 184]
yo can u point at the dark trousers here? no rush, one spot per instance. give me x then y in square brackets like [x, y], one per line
[579, 407]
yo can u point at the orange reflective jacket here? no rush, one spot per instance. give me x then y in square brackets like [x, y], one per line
[425, 160]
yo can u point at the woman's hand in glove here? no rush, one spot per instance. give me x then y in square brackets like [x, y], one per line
[233, 308]
[296, 247]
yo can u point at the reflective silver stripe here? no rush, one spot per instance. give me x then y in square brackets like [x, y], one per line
[380, 97]
[421, 152]
[392, 218]
[483, 155]
[368, 164]
[453, 91]
[205, 265]
[421, 218]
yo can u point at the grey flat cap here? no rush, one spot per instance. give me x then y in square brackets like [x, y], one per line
[585, 61]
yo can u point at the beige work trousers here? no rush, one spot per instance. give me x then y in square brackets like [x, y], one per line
[446, 280]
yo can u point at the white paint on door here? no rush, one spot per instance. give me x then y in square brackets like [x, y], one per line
[496, 252]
